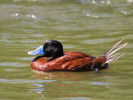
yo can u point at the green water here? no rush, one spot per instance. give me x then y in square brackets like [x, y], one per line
[89, 26]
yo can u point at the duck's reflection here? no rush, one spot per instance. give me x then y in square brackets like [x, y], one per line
[64, 84]
[69, 76]
[39, 89]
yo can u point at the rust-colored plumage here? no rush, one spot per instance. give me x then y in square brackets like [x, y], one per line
[70, 61]
[53, 60]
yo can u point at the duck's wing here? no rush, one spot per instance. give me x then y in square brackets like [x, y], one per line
[80, 64]
[69, 62]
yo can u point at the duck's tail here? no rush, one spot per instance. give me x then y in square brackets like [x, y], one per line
[109, 56]
[112, 54]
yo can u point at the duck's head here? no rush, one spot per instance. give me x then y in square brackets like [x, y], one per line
[51, 49]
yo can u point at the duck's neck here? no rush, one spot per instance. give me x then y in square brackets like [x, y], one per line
[54, 56]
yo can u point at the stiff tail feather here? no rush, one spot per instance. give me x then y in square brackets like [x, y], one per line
[112, 54]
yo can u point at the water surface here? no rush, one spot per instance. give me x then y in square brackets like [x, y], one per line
[89, 26]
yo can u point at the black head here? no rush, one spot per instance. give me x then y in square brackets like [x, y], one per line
[53, 49]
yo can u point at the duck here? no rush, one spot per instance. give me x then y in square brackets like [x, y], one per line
[52, 57]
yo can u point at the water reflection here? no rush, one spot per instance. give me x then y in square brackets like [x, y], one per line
[31, 16]
[65, 82]
[12, 64]
[24, 81]
[92, 24]
[39, 89]
[16, 14]
[74, 98]
[97, 41]
[124, 12]
[99, 83]
[130, 1]
[93, 16]
[70, 76]
[95, 2]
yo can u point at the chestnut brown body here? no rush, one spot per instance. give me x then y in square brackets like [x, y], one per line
[54, 59]
[70, 61]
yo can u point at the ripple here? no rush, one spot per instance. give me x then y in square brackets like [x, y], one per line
[11, 69]
[40, 88]
[25, 58]
[102, 15]
[18, 15]
[93, 16]
[15, 64]
[31, 16]
[16, 0]
[15, 14]
[28, 41]
[24, 81]
[110, 33]
[66, 28]
[130, 1]
[68, 46]
[83, 35]
[95, 2]
[6, 40]
[75, 98]
[99, 83]
[129, 45]
[97, 41]
[124, 12]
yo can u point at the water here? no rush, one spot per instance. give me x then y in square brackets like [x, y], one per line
[89, 26]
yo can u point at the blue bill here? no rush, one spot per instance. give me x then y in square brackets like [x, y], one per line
[38, 51]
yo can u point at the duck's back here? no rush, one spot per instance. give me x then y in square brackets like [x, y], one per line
[70, 61]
